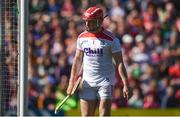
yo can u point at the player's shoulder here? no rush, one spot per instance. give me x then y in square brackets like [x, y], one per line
[105, 34]
[83, 34]
[108, 34]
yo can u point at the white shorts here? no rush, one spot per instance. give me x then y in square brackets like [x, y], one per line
[99, 92]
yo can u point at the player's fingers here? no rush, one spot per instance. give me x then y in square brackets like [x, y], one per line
[69, 90]
[126, 95]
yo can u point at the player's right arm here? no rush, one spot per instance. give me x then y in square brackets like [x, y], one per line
[76, 66]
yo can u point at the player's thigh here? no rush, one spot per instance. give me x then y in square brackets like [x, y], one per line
[105, 96]
[88, 107]
[105, 92]
[88, 100]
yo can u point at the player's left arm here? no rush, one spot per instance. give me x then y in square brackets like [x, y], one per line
[122, 71]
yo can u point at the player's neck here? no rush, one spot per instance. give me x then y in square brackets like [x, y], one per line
[98, 30]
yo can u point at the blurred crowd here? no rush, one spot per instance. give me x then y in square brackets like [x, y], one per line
[149, 34]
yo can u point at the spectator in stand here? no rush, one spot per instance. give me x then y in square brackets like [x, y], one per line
[174, 69]
[150, 102]
[68, 9]
[116, 10]
[169, 99]
[136, 100]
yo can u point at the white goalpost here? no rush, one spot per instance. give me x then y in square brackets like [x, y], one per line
[23, 57]
[13, 57]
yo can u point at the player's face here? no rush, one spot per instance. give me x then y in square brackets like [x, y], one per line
[92, 25]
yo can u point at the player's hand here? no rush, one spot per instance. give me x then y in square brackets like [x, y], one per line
[69, 89]
[126, 92]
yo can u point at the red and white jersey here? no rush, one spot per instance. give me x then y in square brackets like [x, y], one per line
[98, 68]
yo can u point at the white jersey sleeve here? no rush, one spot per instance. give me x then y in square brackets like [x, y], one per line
[79, 44]
[115, 45]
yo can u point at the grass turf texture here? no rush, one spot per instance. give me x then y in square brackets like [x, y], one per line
[134, 112]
